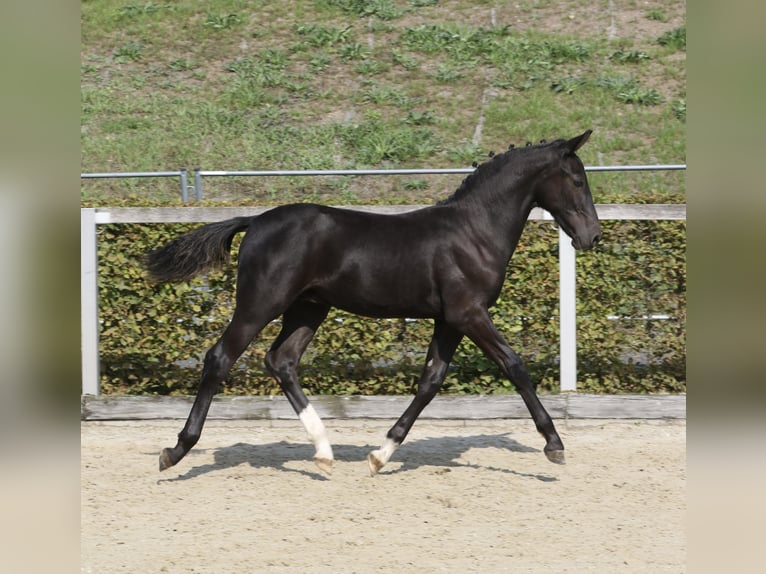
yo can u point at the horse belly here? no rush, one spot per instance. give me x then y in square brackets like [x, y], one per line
[382, 291]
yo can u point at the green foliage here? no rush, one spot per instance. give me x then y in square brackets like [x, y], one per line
[377, 140]
[640, 96]
[656, 14]
[447, 73]
[679, 109]
[674, 39]
[629, 56]
[568, 85]
[154, 337]
[319, 36]
[383, 9]
[628, 90]
[223, 21]
[354, 51]
[129, 52]
[632, 335]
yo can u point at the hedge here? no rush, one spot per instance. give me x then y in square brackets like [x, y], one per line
[631, 306]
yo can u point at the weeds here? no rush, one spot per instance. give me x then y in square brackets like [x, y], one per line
[383, 94]
[448, 73]
[128, 52]
[370, 67]
[376, 140]
[183, 65]
[674, 39]
[222, 21]
[320, 62]
[383, 9]
[640, 96]
[627, 90]
[679, 109]
[416, 185]
[320, 36]
[404, 60]
[420, 118]
[568, 85]
[355, 51]
[465, 154]
[629, 56]
[657, 15]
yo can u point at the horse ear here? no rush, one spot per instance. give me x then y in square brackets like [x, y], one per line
[576, 143]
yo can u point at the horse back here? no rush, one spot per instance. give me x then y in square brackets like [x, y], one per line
[365, 263]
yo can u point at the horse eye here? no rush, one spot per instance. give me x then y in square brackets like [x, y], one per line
[578, 182]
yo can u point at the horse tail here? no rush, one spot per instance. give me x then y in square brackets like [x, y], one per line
[195, 252]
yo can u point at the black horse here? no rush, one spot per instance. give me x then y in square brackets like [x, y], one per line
[446, 262]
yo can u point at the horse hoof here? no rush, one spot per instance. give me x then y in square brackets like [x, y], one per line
[375, 464]
[555, 456]
[165, 461]
[324, 464]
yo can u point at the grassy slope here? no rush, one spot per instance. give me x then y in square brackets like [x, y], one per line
[236, 85]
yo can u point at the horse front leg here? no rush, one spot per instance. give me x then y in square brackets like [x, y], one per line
[218, 362]
[482, 331]
[443, 344]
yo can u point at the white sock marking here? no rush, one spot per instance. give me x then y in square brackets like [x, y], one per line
[383, 454]
[316, 431]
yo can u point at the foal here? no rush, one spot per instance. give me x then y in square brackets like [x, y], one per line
[445, 262]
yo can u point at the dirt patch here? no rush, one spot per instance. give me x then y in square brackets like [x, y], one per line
[615, 19]
[457, 497]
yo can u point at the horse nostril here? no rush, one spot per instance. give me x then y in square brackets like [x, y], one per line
[597, 239]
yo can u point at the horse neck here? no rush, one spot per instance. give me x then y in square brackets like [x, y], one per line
[499, 207]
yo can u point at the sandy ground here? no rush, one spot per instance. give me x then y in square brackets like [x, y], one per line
[457, 497]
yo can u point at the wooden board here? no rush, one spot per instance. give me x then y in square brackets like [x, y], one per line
[565, 405]
[210, 214]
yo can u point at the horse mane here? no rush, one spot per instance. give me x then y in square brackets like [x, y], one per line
[492, 166]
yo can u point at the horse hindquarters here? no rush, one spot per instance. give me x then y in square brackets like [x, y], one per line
[263, 294]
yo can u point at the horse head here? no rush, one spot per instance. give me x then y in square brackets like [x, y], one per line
[563, 191]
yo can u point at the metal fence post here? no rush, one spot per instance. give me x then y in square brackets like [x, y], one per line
[567, 313]
[197, 184]
[89, 302]
[184, 186]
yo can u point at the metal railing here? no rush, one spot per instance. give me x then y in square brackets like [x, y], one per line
[199, 174]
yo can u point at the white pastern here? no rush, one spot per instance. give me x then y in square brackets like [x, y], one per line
[384, 453]
[317, 433]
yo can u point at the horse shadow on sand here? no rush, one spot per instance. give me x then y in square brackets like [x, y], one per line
[440, 453]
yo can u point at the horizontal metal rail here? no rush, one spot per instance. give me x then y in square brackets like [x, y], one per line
[181, 173]
[417, 171]
[118, 174]
[200, 173]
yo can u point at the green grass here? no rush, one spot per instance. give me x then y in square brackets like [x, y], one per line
[236, 85]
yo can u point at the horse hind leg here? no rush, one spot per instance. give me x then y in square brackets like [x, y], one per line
[300, 322]
[218, 362]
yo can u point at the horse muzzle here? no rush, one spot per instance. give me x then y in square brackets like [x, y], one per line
[588, 243]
